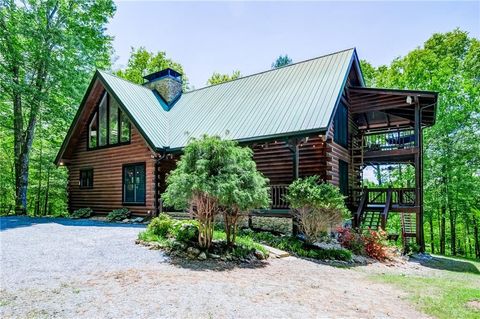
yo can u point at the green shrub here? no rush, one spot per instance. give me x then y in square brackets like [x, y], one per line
[82, 213]
[118, 214]
[318, 206]
[186, 231]
[160, 225]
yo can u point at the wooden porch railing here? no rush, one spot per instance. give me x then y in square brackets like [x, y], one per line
[391, 140]
[277, 195]
[365, 198]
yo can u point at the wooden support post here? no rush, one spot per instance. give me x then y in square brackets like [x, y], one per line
[293, 146]
[419, 176]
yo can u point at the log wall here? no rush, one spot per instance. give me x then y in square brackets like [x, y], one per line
[106, 163]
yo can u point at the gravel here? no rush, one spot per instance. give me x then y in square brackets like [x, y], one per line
[60, 268]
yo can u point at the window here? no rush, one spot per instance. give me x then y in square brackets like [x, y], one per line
[124, 128]
[93, 131]
[343, 176]
[113, 122]
[86, 178]
[340, 126]
[108, 126]
[102, 122]
[134, 184]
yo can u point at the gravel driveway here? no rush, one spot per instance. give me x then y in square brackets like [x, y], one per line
[60, 268]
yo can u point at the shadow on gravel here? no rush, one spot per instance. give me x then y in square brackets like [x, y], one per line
[10, 222]
[211, 265]
[449, 264]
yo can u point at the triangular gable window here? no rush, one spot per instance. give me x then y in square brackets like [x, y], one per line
[108, 125]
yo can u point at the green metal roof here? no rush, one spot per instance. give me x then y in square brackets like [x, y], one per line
[297, 98]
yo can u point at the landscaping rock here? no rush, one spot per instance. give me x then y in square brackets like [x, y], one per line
[178, 245]
[137, 220]
[193, 252]
[214, 256]
[259, 255]
[202, 256]
[155, 246]
[360, 259]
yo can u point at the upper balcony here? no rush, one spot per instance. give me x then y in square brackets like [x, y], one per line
[393, 146]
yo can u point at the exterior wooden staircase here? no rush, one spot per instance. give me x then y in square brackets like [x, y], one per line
[409, 227]
[376, 204]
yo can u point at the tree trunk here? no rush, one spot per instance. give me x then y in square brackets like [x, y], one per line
[475, 237]
[432, 243]
[453, 233]
[45, 211]
[442, 230]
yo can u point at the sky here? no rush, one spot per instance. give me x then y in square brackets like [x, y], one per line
[207, 37]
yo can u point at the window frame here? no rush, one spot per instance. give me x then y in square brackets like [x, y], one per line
[341, 115]
[119, 121]
[85, 170]
[124, 166]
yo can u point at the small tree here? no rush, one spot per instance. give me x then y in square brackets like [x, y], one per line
[240, 189]
[281, 61]
[318, 206]
[215, 176]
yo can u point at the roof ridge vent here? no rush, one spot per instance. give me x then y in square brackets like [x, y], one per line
[167, 83]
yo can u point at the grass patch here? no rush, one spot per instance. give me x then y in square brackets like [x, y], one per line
[241, 240]
[443, 296]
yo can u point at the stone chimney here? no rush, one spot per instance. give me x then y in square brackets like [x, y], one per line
[167, 83]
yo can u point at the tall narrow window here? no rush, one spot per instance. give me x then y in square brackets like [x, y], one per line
[343, 176]
[340, 126]
[102, 121]
[113, 122]
[93, 131]
[124, 127]
[134, 184]
[86, 178]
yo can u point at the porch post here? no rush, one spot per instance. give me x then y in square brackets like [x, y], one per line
[293, 146]
[419, 175]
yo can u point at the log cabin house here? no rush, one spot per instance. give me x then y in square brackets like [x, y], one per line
[312, 117]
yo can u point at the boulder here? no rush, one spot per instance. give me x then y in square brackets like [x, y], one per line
[202, 256]
[193, 252]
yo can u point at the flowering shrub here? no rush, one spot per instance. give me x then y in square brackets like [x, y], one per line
[376, 244]
[351, 240]
[370, 243]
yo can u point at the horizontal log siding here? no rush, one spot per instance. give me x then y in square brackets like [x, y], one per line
[275, 160]
[106, 193]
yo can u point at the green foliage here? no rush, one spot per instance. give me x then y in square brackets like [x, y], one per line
[216, 175]
[48, 53]
[282, 60]
[297, 247]
[318, 206]
[218, 78]
[118, 214]
[182, 230]
[160, 225]
[186, 231]
[143, 62]
[82, 213]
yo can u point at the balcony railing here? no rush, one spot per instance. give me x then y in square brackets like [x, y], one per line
[392, 140]
[378, 196]
[277, 195]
